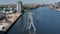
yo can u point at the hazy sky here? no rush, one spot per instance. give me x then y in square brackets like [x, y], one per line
[28, 1]
[39, 1]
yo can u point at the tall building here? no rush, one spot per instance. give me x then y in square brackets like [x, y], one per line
[57, 4]
[19, 6]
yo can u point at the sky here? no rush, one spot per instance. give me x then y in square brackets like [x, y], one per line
[39, 1]
[28, 1]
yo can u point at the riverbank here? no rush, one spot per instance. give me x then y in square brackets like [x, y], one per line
[55, 8]
[30, 6]
[58, 9]
[11, 18]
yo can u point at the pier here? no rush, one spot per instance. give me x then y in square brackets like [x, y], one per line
[5, 25]
[11, 20]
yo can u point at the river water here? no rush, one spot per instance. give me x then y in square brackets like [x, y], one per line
[47, 23]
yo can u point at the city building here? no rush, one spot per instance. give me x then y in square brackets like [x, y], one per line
[19, 6]
[57, 5]
[10, 8]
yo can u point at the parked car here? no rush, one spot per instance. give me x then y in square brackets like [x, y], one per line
[10, 10]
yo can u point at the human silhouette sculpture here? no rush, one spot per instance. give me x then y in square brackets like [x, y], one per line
[30, 20]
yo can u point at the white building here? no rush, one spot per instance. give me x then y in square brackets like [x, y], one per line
[57, 4]
[19, 6]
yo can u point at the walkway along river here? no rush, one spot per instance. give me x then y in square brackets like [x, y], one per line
[47, 23]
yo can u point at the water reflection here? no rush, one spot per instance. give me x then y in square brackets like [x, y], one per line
[31, 22]
[30, 32]
[28, 21]
[34, 32]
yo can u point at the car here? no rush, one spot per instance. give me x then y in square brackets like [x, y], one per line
[10, 10]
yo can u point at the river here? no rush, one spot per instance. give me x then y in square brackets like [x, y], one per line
[47, 23]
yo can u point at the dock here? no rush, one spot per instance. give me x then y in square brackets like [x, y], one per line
[5, 25]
